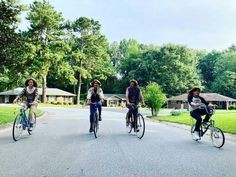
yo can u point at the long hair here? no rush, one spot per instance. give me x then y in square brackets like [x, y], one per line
[34, 81]
[190, 93]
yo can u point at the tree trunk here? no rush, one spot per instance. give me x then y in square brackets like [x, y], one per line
[152, 111]
[44, 88]
[79, 88]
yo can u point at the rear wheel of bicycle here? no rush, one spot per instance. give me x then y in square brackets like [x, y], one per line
[95, 125]
[140, 126]
[128, 123]
[17, 127]
[217, 137]
[34, 124]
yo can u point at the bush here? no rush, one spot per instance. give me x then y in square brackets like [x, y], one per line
[155, 97]
[232, 107]
[176, 112]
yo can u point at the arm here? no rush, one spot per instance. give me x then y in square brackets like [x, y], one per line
[36, 95]
[204, 101]
[101, 95]
[22, 93]
[127, 96]
[89, 94]
[142, 98]
[191, 103]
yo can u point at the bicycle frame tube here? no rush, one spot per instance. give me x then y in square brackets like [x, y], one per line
[24, 117]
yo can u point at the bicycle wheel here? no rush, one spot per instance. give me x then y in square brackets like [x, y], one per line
[34, 124]
[95, 125]
[140, 126]
[217, 137]
[17, 127]
[128, 123]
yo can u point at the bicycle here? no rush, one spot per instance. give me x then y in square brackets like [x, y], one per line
[217, 135]
[22, 122]
[138, 124]
[95, 124]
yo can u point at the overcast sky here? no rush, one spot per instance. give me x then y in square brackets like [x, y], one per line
[202, 24]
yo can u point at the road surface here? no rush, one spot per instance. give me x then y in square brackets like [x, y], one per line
[62, 147]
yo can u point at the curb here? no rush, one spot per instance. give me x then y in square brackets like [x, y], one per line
[228, 136]
[9, 125]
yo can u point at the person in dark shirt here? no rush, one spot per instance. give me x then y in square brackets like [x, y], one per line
[198, 107]
[30, 91]
[133, 97]
[95, 95]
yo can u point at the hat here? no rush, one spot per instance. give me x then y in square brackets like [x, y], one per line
[34, 81]
[92, 83]
[134, 81]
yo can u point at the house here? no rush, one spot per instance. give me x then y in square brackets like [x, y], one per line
[221, 101]
[54, 95]
[114, 100]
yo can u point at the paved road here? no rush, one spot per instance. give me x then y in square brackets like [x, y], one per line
[62, 147]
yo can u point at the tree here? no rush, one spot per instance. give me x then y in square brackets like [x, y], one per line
[89, 51]
[44, 33]
[206, 65]
[155, 97]
[172, 66]
[12, 46]
[225, 79]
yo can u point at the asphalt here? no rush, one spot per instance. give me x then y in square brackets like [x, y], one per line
[62, 147]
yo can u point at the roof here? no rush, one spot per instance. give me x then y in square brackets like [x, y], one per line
[121, 96]
[207, 96]
[50, 92]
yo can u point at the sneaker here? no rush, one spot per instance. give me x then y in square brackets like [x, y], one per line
[196, 135]
[91, 128]
[30, 129]
[205, 125]
[100, 118]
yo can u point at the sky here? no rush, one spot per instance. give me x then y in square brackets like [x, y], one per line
[199, 24]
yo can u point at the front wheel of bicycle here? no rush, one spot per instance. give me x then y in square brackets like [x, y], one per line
[17, 127]
[140, 126]
[217, 137]
[34, 124]
[95, 125]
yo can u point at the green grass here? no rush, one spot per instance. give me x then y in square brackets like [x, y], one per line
[225, 120]
[8, 113]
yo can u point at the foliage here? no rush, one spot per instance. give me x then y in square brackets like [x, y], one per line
[223, 119]
[155, 97]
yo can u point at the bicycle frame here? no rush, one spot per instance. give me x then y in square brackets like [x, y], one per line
[211, 122]
[24, 116]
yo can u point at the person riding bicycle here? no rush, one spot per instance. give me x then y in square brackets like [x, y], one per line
[30, 91]
[95, 96]
[198, 107]
[133, 97]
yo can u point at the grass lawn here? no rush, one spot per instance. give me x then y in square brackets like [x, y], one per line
[225, 120]
[8, 113]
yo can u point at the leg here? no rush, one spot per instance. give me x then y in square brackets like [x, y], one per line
[135, 113]
[207, 113]
[196, 115]
[99, 106]
[92, 111]
[31, 113]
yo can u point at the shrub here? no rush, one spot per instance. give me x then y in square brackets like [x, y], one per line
[232, 107]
